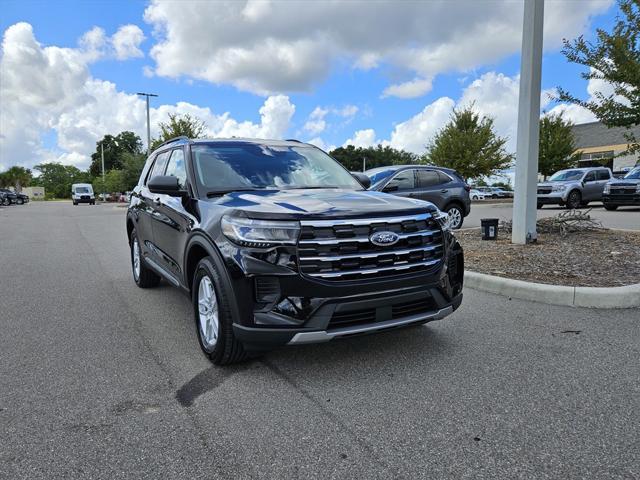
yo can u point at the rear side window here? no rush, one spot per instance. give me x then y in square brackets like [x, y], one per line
[429, 178]
[176, 167]
[403, 181]
[603, 175]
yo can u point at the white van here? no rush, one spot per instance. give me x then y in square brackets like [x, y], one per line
[82, 193]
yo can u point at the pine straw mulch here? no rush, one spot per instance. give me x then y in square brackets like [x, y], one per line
[591, 258]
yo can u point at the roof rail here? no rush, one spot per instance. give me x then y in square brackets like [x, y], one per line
[171, 140]
[293, 140]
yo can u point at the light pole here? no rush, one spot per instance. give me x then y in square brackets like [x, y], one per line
[524, 202]
[147, 95]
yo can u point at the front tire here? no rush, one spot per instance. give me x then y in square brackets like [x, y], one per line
[574, 199]
[456, 217]
[20, 201]
[610, 207]
[142, 275]
[213, 317]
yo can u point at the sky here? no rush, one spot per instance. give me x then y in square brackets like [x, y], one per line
[331, 73]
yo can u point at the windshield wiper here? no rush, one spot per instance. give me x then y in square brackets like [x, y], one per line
[315, 187]
[218, 193]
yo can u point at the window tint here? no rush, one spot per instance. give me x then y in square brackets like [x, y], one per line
[429, 178]
[603, 175]
[160, 165]
[590, 177]
[403, 180]
[176, 167]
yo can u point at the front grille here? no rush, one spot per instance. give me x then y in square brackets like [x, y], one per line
[381, 314]
[623, 191]
[544, 191]
[342, 249]
[84, 197]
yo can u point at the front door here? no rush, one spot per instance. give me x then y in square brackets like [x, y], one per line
[591, 190]
[402, 184]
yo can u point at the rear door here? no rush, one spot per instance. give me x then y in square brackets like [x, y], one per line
[433, 186]
[171, 220]
[402, 184]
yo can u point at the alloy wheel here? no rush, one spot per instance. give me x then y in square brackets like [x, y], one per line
[208, 313]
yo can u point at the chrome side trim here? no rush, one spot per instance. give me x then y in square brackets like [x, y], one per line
[395, 266]
[332, 241]
[365, 221]
[326, 335]
[328, 258]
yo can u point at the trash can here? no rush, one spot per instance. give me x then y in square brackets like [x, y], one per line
[489, 227]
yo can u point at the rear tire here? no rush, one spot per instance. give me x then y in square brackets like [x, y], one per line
[215, 333]
[456, 216]
[574, 199]
[610, 207]
[142, 275]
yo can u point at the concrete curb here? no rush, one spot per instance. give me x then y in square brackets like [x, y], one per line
[591, 297]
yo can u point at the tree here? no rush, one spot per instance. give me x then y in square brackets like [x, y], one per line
[179, 125]
[557, 145]
[469, 145]
[132, 165]
[114, 149]
[16, 177]
[615, 58]
[352, 158]
[57, 179]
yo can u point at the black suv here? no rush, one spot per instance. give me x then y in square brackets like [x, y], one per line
[443, 187]
[276, 243]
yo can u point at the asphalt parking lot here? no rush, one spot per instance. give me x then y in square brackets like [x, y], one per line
[99, 379]
[624, 217]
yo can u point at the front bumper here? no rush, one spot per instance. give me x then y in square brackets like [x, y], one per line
[553, 198]
[621, 199]
[84, 200]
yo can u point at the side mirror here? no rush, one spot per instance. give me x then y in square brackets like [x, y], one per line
[165, 184]
[362, 178]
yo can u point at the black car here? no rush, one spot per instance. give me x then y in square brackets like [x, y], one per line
[276, 243]
[443, 187]
[8, 197]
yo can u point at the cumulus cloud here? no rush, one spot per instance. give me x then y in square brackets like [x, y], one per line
[126, 42]
[363, 138]
[316, 122]
[265, 47]
[50, 89]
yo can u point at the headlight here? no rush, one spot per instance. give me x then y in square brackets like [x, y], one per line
[260, 233]
[607, 188]
[559, 188]
[443, 220]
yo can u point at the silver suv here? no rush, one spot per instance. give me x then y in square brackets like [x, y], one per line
[574, 187]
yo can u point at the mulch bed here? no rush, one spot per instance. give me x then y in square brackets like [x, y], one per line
[605, 258]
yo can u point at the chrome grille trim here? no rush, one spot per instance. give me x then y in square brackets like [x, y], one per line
[342, 249]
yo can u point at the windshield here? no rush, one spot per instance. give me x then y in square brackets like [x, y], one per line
[633, 174]
[566, 175]
[377, 176]
[242, 166]
[82, 190]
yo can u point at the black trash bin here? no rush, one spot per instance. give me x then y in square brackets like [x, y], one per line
[489, 227]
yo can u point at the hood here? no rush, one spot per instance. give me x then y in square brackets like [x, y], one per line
[322, 203]
[621, 182]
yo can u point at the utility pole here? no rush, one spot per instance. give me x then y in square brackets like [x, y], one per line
[524, 203]
[364, 164]
[147, 95]
[102, 154]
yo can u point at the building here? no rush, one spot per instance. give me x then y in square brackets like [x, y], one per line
[599, 145]
[35, 193]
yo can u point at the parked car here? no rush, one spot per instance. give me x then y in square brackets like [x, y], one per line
[443, 187]
[495, 192]
[82, 193]
[8, 197]
[21, 198]
[574, 187]
[476, 194]
[620, 192]
[276, 243]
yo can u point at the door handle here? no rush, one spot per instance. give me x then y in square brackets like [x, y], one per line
[444, 190]
[156, 201]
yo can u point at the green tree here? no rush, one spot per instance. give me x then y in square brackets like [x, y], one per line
[557, 145]
[16, 177]
[179, 125]
[114, 149]
[57, 179]
[615, 58]
[469, 145]
[132, 165]
[352, 158]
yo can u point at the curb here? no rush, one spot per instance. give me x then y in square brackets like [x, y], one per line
[591, 297]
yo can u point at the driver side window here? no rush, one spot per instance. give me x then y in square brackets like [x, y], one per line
[590, 177]
[405, 180]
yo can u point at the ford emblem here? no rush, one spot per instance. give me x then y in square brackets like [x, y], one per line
[384, 239]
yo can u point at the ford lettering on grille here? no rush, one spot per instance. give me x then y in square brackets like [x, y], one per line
[384, 239]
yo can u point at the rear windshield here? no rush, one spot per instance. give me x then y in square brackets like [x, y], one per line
[235, 166]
